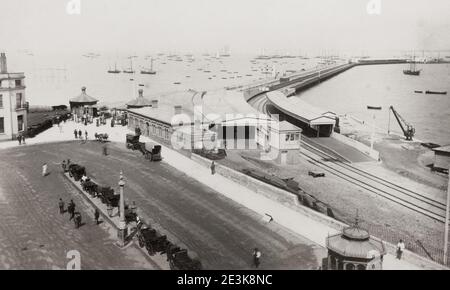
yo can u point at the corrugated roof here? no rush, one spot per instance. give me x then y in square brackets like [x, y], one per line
[300, 109]
[83, 97]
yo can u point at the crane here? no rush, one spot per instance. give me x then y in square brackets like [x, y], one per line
[407, 128]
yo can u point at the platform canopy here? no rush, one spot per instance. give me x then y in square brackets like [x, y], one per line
[82, 100]
[301, 110]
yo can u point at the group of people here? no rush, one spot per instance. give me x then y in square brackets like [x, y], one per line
[21, 139]
[79, 135]
[74, 215]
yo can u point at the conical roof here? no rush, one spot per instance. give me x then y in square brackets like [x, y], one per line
[83, 98]
[140, 101]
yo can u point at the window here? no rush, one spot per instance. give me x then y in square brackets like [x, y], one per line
[18, 83]
[20, 123]
[2, 125]
[292, 137]
[19, 100]
[297, 137]
[287, 137]
[1, 101]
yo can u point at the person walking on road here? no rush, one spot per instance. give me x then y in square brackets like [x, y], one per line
[400, 249]
[213, 168]
[96, 215]
[77, 220]
[71, 209]
[61, 206]
[75, 132]
[44, 169]
[256, 257]
[19, 138]
[86, 134]
[105, 150]
[80, 134]
[23, 139]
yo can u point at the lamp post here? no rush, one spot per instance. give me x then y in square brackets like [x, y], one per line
[373, 125]
[122, 232]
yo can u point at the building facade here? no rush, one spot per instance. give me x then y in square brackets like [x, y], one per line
[13, 111]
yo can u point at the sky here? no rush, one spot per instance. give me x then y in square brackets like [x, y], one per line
[246, 26]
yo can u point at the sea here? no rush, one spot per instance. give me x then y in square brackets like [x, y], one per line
[54, 78]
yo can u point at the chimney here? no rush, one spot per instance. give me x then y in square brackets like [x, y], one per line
[3, 67]
[178, 109]
[141, 93]
[155, 104]
[83, 90]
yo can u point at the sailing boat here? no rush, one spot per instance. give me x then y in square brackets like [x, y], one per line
[412, 71]
[149, 71]
[115, 70]
[130, 70]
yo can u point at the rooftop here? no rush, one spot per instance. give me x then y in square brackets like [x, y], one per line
[301, 109]
[140, 101]
[83, 97]
[220, 105]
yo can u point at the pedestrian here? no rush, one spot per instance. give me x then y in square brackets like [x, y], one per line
[400, 249]
[77, 220]
[64, 166]
[86, 134]
[213, 168]
[23, 139]
[71, 209]
[44, 169]
[80, 134]
[19, 138]
[105, 150]
[96, 215]
[61, 206]
[256, 257]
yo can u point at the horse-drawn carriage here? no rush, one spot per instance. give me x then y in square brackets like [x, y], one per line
[179, 259]
[151, 240]
[101, 137]
[132, 142]
[76, 171]
[105, 193]
[151, 151]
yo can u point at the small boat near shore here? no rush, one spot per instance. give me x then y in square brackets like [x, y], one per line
[418, 92]
[435, 93]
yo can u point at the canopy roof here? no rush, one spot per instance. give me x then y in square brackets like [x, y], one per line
[355, 242]
[83, 98]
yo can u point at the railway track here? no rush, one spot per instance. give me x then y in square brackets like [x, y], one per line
[405, 197]
[417, 202]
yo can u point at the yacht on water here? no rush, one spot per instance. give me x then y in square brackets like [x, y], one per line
[412, 71]
[149, 71]
[115, 70]
[129, 70]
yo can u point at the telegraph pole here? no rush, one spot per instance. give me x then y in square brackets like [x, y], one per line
[446, 223]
